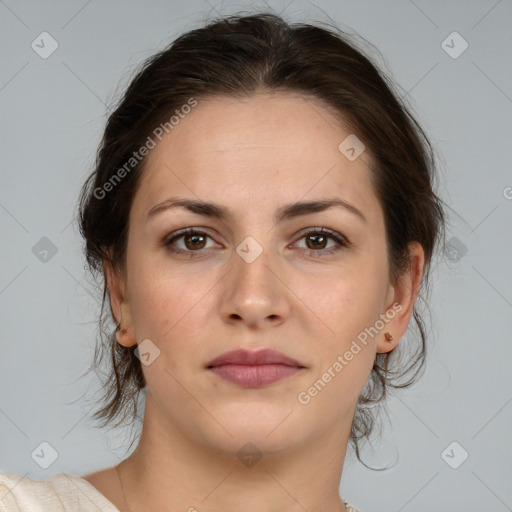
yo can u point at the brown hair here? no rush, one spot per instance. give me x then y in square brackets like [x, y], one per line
[238, 56]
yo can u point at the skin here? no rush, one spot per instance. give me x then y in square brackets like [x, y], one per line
[252, 156]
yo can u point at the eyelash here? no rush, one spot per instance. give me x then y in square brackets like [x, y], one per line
[340, 240]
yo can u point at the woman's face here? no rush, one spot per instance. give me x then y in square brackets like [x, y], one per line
[252, 280]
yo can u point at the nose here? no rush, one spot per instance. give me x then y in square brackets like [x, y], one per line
[255, 292]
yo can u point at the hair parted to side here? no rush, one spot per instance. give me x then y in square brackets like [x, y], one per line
[238, 56]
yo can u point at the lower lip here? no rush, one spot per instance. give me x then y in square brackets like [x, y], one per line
[254, 376]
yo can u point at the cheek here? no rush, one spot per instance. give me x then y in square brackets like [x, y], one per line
[165, 300]
[351, 306]
[345, 358]
[354, 296]
[151, 297]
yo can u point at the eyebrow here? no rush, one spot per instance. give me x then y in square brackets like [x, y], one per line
[286, 212]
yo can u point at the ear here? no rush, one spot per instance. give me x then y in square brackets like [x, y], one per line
[401, 298]
[119, 304]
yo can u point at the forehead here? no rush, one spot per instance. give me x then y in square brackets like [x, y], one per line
[260, 151]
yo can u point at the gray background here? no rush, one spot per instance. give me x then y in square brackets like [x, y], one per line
[53, 113]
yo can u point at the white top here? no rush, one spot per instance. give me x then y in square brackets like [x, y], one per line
[61, 493]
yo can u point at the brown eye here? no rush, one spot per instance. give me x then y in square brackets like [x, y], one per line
[191, 240]
[194, 240]
[316, 241]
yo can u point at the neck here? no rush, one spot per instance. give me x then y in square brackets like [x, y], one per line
[168, 471]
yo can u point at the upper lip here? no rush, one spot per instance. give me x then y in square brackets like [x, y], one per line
[247, 357]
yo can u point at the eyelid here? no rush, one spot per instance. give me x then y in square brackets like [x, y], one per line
[341, 240]
[175, 235]
[327, 231]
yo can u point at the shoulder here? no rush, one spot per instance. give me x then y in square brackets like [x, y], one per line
[63, 492]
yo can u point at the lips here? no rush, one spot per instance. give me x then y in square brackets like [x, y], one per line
[254, 369]
[246, 357]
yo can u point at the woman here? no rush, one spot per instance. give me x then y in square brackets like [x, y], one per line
[263, 214]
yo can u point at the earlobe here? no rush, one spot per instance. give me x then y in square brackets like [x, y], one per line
[388, 343]
[404, 295]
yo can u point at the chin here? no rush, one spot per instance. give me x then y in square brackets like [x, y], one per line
[270, 430]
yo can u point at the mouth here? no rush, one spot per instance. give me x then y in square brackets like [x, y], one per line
[254, 369]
